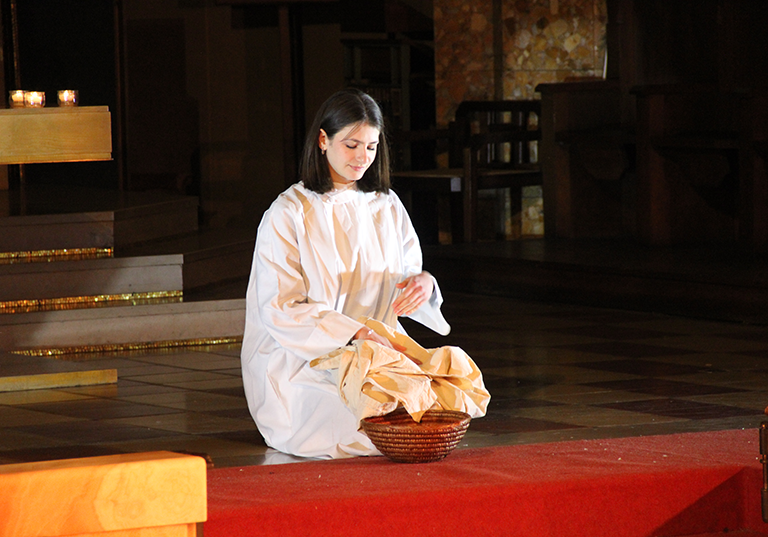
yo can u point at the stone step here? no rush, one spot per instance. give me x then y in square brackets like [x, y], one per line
[181, 265]
[52, 218]
[91, 278]
[123, 327]
[211, 257]
[143, 275]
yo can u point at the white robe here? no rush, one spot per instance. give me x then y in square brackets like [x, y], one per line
[321, 263]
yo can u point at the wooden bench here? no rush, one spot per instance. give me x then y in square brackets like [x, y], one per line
[489, 146]
[155, 494]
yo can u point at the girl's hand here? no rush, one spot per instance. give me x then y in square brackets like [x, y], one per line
[416, 290]
[366, 333]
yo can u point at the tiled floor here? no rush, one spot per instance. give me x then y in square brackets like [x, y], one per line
[555, 372]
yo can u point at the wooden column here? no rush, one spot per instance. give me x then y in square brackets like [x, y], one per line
[555, 164]
[575, 113]
[291, 77]
[11, 80]
[653, 195]
[753, 173]
[291, 84]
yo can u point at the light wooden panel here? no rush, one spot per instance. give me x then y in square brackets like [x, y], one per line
[66, 134]
[138, 494]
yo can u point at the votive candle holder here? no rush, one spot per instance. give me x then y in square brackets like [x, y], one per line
[34, 99]
[16, 98]
[67, 97]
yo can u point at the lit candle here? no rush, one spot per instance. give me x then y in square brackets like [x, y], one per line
[67, 97]
[34, 99]
[16, 98]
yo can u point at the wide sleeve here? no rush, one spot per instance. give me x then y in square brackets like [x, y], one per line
[278, 290]
[429, 314]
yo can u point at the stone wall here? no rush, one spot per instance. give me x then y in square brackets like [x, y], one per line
[540, 41]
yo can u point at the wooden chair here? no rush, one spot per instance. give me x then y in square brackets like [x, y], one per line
[489, 147]
[497, 151]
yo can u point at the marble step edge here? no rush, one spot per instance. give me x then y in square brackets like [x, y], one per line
[135, 327]
[125, 275]
[90, 278]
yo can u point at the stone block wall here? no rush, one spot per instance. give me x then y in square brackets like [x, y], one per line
[540, 41]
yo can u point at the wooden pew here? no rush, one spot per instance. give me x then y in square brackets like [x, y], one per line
[155, 494]
[488, 148]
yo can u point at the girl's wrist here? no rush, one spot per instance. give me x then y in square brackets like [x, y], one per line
[362, 334]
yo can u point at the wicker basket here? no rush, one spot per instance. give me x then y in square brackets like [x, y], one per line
[402, 439]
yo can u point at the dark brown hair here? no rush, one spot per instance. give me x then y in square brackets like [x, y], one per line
[344, 108]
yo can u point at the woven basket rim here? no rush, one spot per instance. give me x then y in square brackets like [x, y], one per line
[401, 417]
[398, 436]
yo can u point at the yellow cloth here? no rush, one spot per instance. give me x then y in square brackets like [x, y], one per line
[374, 380]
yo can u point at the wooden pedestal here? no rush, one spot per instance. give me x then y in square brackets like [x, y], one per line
[64, 134]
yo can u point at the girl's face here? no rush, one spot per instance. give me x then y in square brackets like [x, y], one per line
[350, 152]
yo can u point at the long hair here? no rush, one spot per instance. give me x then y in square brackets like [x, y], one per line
[344, 108]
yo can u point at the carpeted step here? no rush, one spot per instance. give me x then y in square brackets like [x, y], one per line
[672, 486]
[738, 533]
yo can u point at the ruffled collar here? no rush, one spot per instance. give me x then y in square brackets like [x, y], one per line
[342, 195]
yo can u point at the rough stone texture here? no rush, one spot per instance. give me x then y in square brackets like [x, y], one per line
[543, 41]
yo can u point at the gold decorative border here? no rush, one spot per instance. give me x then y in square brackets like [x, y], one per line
[130, 347]
[93, 301]
[66, 254]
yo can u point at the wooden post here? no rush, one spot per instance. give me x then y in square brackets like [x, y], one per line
[653, 194]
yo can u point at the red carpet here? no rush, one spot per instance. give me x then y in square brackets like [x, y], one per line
[688, 484]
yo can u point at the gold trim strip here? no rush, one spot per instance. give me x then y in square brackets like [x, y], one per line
[94, 301]
[66, 254]
[64, 379]
[129, 347]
